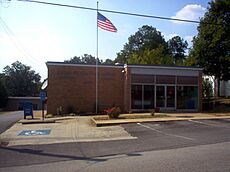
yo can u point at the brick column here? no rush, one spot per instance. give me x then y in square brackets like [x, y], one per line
[200, 92]
[127, 90]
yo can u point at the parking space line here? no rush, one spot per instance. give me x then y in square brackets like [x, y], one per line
[203, 123]
[167, 134]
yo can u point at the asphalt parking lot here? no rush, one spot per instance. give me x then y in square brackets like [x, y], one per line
[152, 136]
[168, 135]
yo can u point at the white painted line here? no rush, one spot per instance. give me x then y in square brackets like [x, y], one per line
[203, 123]
[173, 135]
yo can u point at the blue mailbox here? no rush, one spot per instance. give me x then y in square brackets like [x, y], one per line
[28, 109]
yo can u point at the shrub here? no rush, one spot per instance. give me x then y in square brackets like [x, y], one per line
[114, 112]
[49, 116]
[152, 112]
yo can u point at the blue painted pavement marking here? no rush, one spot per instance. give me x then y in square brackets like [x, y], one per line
[34, 132]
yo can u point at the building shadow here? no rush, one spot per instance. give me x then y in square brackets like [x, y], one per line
[41, 153]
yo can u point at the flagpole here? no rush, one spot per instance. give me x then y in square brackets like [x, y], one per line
[97, 67]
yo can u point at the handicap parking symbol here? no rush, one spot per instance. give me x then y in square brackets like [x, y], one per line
[34, 132]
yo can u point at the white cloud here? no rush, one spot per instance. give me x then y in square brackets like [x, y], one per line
[190, 12]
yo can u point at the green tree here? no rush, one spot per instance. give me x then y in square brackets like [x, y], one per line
[3, 94]
[211, 48]
[21, 80]
[108, 61]
[207, 88]
[89, 59]
[147, 38]
[177, 47]
[190, 59]
[154, 56]
[75, 59]
[85, 59]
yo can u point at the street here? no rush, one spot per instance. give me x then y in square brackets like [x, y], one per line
[192, 145]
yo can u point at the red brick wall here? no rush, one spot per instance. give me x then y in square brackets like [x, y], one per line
[110, 88]
[76, 86]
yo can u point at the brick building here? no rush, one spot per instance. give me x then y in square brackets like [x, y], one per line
[17, 103]
[131, 87]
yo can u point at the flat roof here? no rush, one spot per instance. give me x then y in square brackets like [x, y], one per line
[155, 66]
[83, 65]
[25, 98]
[150, 66]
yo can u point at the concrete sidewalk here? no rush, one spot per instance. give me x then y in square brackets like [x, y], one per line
[159, 117]
[72, 129]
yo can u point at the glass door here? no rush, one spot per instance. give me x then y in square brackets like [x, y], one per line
[165, 96]
[136, 97]
[170, 98]
[148, 97]
[160, 96]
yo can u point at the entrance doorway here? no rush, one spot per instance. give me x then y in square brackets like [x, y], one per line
[165, 96]
[145, 97]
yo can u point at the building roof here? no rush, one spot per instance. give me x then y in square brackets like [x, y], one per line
[153, 66]
[25, 98]
[83, 65]
[156, 66]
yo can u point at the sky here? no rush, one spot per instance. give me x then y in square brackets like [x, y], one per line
[35, 33]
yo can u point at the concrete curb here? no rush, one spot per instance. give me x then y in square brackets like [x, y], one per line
[38, 121]
[46, 120]
[100, 123]
[93, 122]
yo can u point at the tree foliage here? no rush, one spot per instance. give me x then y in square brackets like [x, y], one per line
[88, 59]
[190, 60]
[211, 49]
[108, 61]
[85, 59]
[207, 88]
[148, 46]
[177, 47]
[3, 94]
[154, 56]
[21, 80]
[146, 40]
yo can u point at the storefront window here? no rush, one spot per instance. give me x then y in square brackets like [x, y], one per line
[142, 96]
[136, 97]
[187, 97]
[170, 96]
[160, 96]
[148, 96]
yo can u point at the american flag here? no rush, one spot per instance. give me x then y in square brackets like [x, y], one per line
[105, 23]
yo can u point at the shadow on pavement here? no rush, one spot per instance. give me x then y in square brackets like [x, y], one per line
[41, 153]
